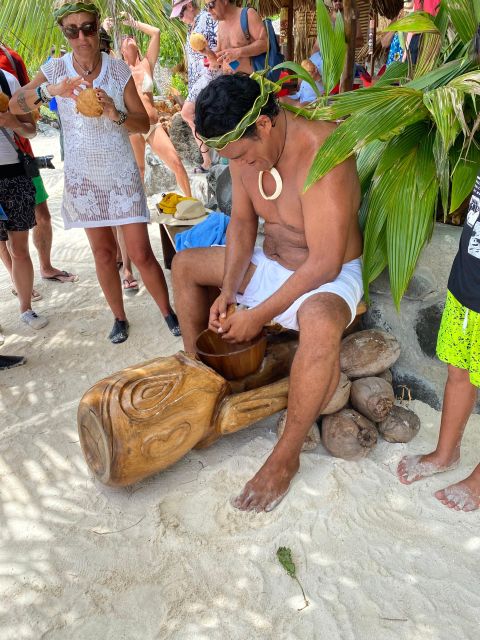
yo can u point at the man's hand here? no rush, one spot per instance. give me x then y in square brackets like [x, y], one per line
[218, 310]
[241, 326]
[227, 55]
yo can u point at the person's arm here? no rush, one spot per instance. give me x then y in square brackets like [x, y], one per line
[25, 99]
[137, 118]
[152, 32]
[258, 41]
[23, 125]
[241, 236]
[326, 227]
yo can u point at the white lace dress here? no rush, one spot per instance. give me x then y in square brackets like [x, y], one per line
[102, 182]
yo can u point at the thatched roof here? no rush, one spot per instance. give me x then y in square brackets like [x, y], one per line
[386, 8]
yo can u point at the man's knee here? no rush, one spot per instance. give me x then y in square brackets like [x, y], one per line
[183, 264]
[322, 319]
[42, 213]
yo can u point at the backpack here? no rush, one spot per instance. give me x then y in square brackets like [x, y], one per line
[273, 51]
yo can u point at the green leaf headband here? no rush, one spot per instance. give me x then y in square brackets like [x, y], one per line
[75, 7]
[266, 88]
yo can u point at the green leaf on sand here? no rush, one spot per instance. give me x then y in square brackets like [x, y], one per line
[284, 555]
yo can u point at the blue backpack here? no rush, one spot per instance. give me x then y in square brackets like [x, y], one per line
[274, 55]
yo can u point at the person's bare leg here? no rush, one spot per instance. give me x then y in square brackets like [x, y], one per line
[463, 495]
[5, 257]
[193, 271]
[140, 251]
[188, 114]
[138, 145]
[313, 378]
[22, 268]
[42, 239]
[458, 401]
[127, 263]
[163, 147]
[102, 243]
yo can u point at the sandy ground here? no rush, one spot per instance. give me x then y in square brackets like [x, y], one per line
[169, 558]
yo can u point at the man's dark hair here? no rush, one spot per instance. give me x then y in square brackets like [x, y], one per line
[222, 104]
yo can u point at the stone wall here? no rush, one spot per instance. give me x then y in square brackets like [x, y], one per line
[418, 370]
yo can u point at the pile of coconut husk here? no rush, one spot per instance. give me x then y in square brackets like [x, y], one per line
[166, 110]
[363, 405]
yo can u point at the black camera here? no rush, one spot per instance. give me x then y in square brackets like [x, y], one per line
[44, 162]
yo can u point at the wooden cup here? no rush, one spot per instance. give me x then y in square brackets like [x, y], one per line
[232, 361]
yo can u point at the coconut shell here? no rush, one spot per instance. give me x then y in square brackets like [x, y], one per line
[340, 397]
[401, 425]
[88, 104]
[348, 435]
[198, 41]
[367, 353]
[4, 100]
[312, 439]
[372, 397]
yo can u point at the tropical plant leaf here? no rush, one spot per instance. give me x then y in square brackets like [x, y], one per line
[332, 45]
[411, 215]
[465, 171]
[416, 22]
[367, 161]
[430, 46]
[284, 555]
[442, 75]
[397, 71]
[298, 72]
[462, 16]
[366, 125]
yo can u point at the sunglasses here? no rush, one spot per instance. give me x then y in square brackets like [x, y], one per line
[182, 11]
[88, 29]
[211, 5]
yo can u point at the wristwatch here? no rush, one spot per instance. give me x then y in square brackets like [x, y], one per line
[122, 116]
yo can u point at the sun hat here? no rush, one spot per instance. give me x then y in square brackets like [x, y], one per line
[177, 7]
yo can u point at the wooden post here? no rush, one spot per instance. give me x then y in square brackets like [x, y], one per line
[350, 16]
[290, 47]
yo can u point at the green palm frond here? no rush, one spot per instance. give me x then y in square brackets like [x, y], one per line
[416, 22]
[332, 45]
[462, 16]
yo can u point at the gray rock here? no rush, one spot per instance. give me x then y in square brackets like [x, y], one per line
[182, 138]
[158, 177]
[426, 328]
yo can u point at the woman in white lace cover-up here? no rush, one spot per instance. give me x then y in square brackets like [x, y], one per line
[103, 188]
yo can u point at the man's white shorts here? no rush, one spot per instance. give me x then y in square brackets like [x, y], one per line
[270, 275]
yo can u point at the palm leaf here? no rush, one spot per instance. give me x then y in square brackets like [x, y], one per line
[411, 216]
[462, 16]
[332, 45]
[366, 125]
[367, 161]
[397, 71]
[466, 166]
[416, 22]
[430, 46]
[298, 72]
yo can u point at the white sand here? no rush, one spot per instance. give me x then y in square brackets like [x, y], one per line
[169, 558]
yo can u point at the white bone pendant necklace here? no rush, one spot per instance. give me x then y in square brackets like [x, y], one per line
[274, 173]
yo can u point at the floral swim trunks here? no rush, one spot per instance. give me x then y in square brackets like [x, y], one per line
[458, 341]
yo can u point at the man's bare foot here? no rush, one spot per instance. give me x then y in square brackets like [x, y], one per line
[413, 468]
[463, 495]
[268, 487]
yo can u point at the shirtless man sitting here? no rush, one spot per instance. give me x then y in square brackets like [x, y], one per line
[231, 42]
[308, 275]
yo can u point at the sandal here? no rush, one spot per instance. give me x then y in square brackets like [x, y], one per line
[172, 324]
[200, 169]
[119, 332]
[36, 295]
[130, 286]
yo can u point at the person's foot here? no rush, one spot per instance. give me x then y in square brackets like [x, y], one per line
[172, 323]
[33, 320]
[413, 468]
[58, 275]
[463, 495]
[268, 487]
[119, 332]
[130, 286]
[8, 362]
[36, 295]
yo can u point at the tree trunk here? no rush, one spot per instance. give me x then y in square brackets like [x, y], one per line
[350, 16]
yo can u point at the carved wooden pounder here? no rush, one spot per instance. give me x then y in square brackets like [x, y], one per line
[145, 418]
